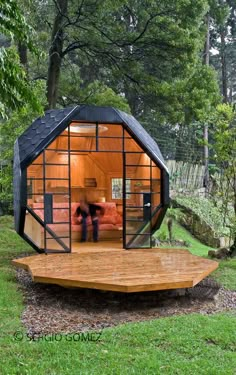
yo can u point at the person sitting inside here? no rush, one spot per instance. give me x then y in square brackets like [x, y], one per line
[84, 210]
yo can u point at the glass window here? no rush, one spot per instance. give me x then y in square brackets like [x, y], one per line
[117, 188]
[34, 230]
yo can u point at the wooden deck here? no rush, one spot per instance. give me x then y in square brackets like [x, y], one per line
[97, 247]
[112, 268]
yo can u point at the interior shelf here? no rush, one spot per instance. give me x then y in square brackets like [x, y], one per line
[90, 187]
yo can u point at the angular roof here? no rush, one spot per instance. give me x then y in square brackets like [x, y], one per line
[45, 129]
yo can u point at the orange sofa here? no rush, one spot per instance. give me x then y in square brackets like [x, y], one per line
[110, 223]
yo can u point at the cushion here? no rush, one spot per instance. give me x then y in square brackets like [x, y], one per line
[107, 219]
[109, 208]
[40, 213]
[74, 220]
[119, 219]
[74, 206]
[61, 214]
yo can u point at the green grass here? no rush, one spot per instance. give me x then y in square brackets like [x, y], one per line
[190, 344]
[226, 273]
[180, 233]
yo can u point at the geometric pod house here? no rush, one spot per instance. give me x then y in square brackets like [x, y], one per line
[104, 155]
[98, 152]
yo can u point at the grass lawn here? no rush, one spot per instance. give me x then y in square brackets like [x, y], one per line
[191, 344]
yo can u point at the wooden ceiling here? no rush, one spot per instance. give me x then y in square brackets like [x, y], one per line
[109, 158]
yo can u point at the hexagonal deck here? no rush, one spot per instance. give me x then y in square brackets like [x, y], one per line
[120, 270]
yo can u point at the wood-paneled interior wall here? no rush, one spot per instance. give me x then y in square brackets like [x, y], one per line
[103, 166]
[82, 166]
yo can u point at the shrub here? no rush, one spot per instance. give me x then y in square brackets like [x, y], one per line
[206, 211]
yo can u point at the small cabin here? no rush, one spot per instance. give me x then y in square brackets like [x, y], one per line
[99, 154]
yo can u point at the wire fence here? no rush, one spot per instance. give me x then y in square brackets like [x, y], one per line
[185, 162]
[185, 176]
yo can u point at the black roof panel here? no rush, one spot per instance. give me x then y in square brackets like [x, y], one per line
[45, 129]
[40, 130]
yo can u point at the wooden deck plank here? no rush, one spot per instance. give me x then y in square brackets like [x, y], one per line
[120, 270]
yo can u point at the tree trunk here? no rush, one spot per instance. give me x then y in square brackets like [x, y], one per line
[22, 51]
[233, 247]
[223, 65]
[55, 54]
[206, 60]
[206, 159]
[230, 98]
[206, 55]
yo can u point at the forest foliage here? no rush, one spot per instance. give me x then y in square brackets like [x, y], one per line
[169, 63]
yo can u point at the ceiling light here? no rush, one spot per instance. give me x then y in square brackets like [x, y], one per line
[86, 128]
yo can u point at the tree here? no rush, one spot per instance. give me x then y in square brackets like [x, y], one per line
[10, 129]
[133, 47]
[55, 51]
[206, 61]
[14, 88]
[223, 29]
[224, 149]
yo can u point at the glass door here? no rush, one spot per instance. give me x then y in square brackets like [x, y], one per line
[141, 199]
[48, 220]
[57, 211]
